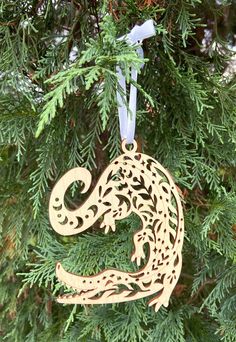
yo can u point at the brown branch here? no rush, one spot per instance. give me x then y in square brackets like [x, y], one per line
[112, 11]
[200, 289]
[76, 27]
[37, 6]
[10, 23]
[187, 276]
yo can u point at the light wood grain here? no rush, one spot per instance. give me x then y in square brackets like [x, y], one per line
[132, 183]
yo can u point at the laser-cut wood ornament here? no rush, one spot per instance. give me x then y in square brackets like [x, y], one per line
[132, 183]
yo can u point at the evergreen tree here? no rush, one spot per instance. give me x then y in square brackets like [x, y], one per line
[58, 110]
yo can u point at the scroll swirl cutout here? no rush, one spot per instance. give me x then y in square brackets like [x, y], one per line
[132, 183]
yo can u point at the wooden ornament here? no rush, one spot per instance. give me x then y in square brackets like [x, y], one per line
[132, 183]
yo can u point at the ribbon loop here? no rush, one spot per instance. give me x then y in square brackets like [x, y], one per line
[128, 120]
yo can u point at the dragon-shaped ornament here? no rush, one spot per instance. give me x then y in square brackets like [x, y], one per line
[132, 183]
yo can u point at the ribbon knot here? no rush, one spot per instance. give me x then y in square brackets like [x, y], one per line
[128, 120]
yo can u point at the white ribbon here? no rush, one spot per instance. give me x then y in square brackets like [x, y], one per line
[128, 120]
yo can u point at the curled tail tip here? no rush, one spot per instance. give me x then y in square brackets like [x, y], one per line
[76, 174]
[80, 174]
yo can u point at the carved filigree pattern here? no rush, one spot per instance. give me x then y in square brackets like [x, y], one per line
[132, 183]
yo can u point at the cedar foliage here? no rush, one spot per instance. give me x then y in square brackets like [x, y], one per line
[58, 110]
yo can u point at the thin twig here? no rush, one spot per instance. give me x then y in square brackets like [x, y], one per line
[200, 289]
